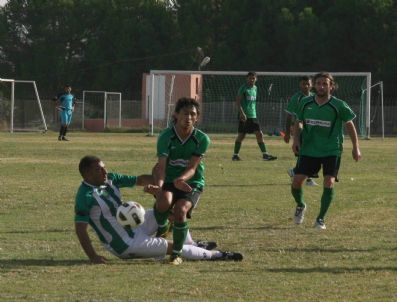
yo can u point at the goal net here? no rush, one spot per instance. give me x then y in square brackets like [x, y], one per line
[216, 90]
[101, 109]
[20, 106]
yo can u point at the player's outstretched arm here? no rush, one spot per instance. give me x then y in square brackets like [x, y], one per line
[181, 182]
[288, 122]
[85, 242]
[351, 130]
[297, 134]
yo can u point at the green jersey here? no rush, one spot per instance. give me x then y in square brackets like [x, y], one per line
[322, 133]
[248, 100]
[179, 152]
[294, 102]
[98, 206]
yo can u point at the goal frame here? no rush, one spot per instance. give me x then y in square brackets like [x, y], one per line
[105, 98]
[13, 81]
[155, 72]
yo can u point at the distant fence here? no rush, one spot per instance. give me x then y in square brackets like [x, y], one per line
[212, 119]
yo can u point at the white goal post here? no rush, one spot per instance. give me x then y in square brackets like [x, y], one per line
[216, 90]
[102, 105]
[13, 104]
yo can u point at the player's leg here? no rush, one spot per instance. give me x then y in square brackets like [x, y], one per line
[238, 143]
[68, 121]
[181, 227]
[305, 167]
[330, 170]
[63, 118]
[255, 128]
[162, 211]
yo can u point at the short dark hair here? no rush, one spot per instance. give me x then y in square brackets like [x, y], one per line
[67, 85]
[187, 102]
[251, 73]
[86, 163]
[305, 78]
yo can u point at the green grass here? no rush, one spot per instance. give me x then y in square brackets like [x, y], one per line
[246, 207]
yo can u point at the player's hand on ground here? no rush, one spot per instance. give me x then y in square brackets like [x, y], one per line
[182, 185]
[151, 189]
[98, 259]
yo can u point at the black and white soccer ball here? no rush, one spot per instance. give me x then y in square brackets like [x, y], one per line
[130, 214]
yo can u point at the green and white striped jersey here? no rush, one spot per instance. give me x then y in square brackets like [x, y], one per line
[98, 206]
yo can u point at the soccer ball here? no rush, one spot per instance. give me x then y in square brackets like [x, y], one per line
[130, 214]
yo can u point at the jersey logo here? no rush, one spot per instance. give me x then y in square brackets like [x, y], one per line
[320, 123]
[179, 163]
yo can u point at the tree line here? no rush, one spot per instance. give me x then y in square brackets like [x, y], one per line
[108, 44]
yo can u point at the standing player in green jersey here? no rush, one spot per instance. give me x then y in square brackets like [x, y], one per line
[97, 200]
[180, 172]
[248, 122]
[305, 85]
[318, 140]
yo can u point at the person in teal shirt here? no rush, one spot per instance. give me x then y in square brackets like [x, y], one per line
[65, 105]
[248, 122]
[318, 140]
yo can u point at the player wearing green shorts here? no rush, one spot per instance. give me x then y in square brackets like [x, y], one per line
[248, 122]
[305, 85]
[318, 141]
[180, 172]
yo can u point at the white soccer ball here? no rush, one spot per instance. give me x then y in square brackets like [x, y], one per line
[130, 214]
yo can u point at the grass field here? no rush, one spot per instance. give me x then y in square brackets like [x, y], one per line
[246, 207]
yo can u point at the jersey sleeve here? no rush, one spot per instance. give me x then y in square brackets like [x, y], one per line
[120, 180]
[346, 113]
[292, 106]
[162, 145]
[241, 90]
[82, 207]
[203, 146]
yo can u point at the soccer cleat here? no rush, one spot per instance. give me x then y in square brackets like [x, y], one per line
[65, 139]
[311, 183]
[299, 215]
[319, 224]
[207, 245]
[236, 157]
[176, 260]
[269, 157]
[229, 256]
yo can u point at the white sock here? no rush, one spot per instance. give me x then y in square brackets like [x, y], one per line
[192, 252]
[189, 240]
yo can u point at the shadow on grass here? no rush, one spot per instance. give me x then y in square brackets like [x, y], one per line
[14, 263]
[327, 250]
[37, 231]
[332, 270]
[248, 185]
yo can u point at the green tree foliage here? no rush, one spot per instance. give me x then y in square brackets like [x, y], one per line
[108, 44]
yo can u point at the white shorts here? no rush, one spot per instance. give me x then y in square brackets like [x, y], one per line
[144, 244]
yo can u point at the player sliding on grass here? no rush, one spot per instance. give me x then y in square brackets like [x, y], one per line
[248, 122]
[97, 200]
[318, 139]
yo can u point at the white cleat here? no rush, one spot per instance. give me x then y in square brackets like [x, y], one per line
[299, 215]
[311, 183]
[319, 224]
